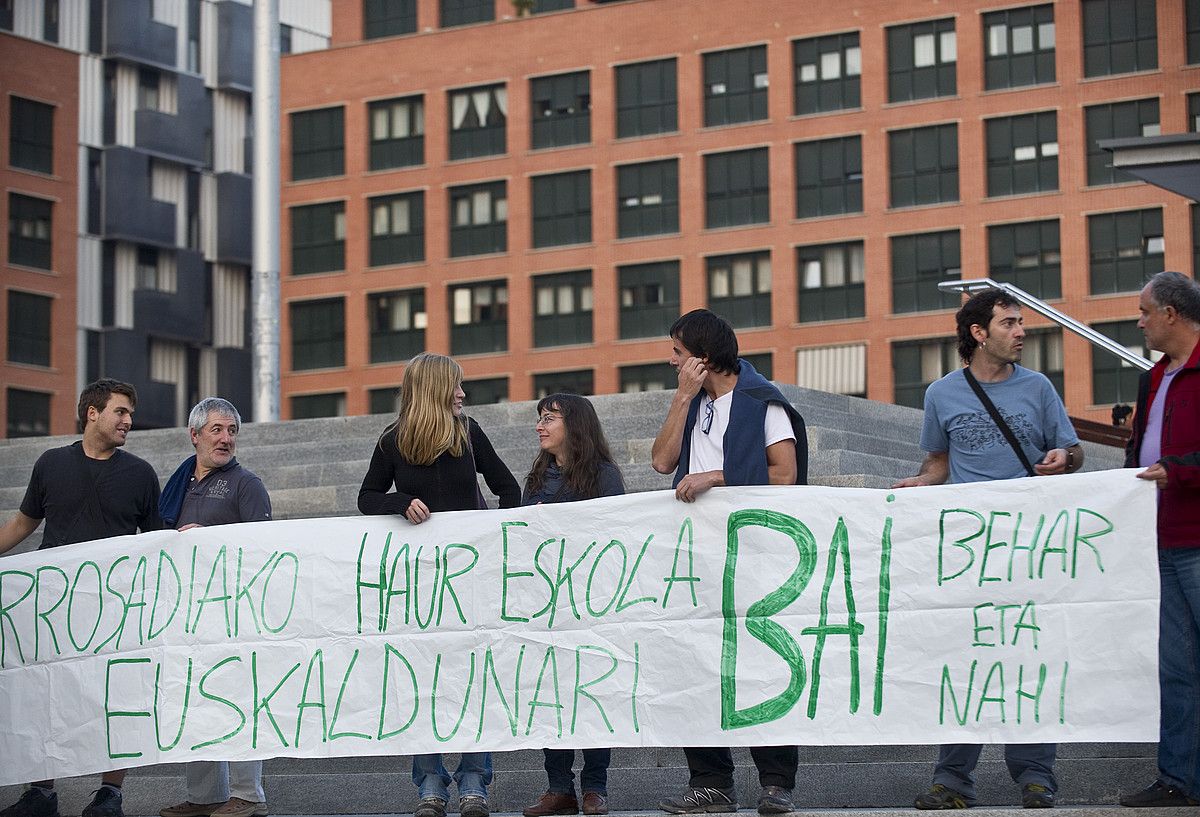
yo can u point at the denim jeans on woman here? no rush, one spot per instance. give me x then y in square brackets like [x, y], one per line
[473, 776]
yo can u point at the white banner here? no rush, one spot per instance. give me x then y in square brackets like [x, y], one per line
[1018, 611]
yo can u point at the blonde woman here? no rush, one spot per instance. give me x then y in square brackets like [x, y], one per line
[430, 455]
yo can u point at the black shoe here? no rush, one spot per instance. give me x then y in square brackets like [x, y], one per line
[1158, 795]
[34, 803]
[431, 807]
[1035, 795]
[940, 797]
[775, 800]
[701, 800]
[106, 803]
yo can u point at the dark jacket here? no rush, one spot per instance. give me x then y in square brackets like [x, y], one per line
[1179, 504]
[748, 412]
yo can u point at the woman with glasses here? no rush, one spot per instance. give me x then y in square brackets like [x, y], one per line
[574, 463]
[430, 454]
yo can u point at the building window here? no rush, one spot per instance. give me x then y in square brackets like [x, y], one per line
[31, 135]
[1022, 154]
[1126, 249]
[479, 318]
[486, 391]
[465, 12]
[921, 60]
[397, 321]
[646, 98]
[739, 288]
[578, 382]
[1193, 111]
[318, 238]
[1027, 256]
[29, 231]
[1117, 120]
[318, 334]
[28, 411]
[919, 263]
[397, 132]
[50, 21]
[149, 274]
[830, 282]
[397, 229]
[835, 369]
[6, 15]
[762, 363]
[735, 86]
[386, 18]
[28, 328]
[562, 110]
[148, 93]
[647, 377]
[385, 400]
[649, 296]
[478, 219]
[543, 6]
[827, 73]
[562, 208]
[285, 41]
[1114, 380]
[829, 177]
[562, 308]
[318, 147]
[737, 188]
[1119, 36]
[1195, 210]
[1019, 47]
[478, 121]
[1192, 12]
[1043, 353]
[312, 406]
[924, 165]
[648, 198]
[916, 364]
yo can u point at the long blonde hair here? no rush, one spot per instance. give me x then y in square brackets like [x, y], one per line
[426, 426]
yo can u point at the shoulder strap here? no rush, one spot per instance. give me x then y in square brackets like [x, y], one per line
[998, 420]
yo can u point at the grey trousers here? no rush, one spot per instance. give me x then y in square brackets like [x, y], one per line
[215, 781]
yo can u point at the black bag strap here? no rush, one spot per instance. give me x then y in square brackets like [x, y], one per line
[998, 420]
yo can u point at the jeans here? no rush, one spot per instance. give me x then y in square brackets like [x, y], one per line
[1027, 763]
[473, 775]
[592, 777]
[712, 767]
[215, 781]
[1179, 668]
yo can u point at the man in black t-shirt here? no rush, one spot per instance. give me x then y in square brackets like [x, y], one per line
[87, 490]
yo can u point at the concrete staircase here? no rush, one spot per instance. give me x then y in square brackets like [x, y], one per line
[314, 467]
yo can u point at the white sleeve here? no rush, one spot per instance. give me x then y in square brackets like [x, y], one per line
[777, 426]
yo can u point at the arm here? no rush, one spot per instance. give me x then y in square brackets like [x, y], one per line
[1061, 461]
[781, 463]
[254, 504]
[499, 479]
[373, 496]
[16, 530]
[664, 455]
[1182, 470]
[934, 471]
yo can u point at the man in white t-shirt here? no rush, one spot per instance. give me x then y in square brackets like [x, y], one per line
[727, 425]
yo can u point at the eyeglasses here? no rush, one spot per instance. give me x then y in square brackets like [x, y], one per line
[546, 419]
[709, 413]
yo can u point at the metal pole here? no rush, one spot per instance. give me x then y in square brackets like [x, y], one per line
[265, 272]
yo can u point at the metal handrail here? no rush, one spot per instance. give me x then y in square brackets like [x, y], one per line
[1042, 308]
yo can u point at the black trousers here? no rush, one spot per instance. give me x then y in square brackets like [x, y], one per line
[713, 766]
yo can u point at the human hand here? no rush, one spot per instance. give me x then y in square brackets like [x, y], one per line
[190, 526]
[1156, 473]
[417, 511]
[910, 482]
[1055, 462]
[691, 376]
[691, 486]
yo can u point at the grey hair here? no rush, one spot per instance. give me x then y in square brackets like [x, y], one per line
[1177, 290]
[199, 414]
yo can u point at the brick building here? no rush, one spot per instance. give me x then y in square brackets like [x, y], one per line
[541, 195]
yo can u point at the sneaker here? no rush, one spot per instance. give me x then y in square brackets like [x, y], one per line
[106, 803]
[430, 807]
[775, 800]
[34, 803]
[473, 805]
[940, 797]
[189, 809]
[701, 799]
[553, 803]
[237, 807]
[1035, 795]
[1158, 795]
[595, 803]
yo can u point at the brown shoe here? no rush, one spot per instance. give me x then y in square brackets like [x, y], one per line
[189, 809]
[237, 807]
[595, 803]
[553, 803]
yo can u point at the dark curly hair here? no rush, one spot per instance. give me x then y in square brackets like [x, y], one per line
[979, 309]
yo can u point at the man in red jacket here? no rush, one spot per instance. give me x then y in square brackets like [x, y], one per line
[1166, 443]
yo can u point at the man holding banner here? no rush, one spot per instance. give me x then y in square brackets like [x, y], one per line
[749, 435]
[1166, 443]
[212, 488]
[85, 491]
[1027, 424]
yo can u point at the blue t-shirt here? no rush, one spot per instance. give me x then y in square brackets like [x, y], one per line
[955, 421]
